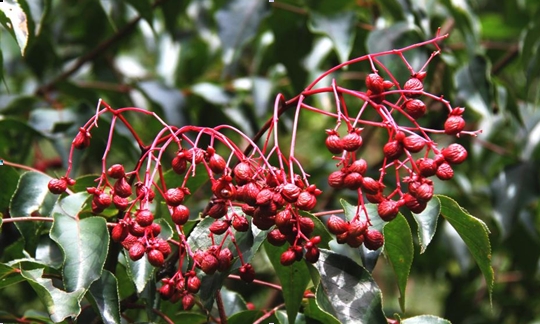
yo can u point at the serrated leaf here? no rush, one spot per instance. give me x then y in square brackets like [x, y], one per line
[103, 295]
[18, 22]
[313, 310]
[425, 319]
[474, 233]
[85, 243]
[339, 27]
[59, 303]
[353, 294]
[32, 197]
[427, 222]
[294, 279]
[238, 22]
[398, 246]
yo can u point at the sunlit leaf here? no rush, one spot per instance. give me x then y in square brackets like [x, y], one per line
[313, 310]
[474, 233]
[84, 242]
[398, 246]
[104, 296]
[339, 27]
[427, 222]
[18, 22]
[353, 294]
[474, 85]
[425, 319]
[293, 278]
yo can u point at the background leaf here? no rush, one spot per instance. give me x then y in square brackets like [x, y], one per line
[339, 27]
[18, 22]
[103, 294]
[427, 222]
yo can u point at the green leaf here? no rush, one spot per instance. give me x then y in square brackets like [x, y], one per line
[144, 8]
[84, 242]
[59, 303]
[9, 275]
[427, 222]
[238, 22]
[339, 27]
[103, 295]
[425, 319]
[474, 85]
[294, 278]
[32, 197]
[313, 310]
[49, 253]
[474, 233]
[319, 230]
[353, 295]
[10, 178]
[250, 316]
[232, 302]
[18, 25]
[398, 246]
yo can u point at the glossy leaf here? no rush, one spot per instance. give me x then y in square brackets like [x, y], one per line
[250, 316]
[425, 319]
[10, 178]
[60, 304]
[84, 242]
[427, 223]
[313, 310]
[339, 27]
[9, 275]
[49, 253]
[232, 302]
[294, 278]
[398, 247]
[32, 198]
[103, 295]
[18, 22]
[474, 233]
[474, 85]
[352, 293]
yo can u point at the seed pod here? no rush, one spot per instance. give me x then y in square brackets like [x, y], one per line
[188, 301]
[193, 284]
[144, 192]
[335, 179]
[217, 163]
[166, 291]
[288, 257]
[163, 247]
[120, 203]
[243, 173]
[122, 188]
[415, 108]
[119, 232]
[144, 217]
[373, 239]
[414, 143]
[156, 229]
[353, 180]
[290, 192]
[102, 201]
[427, 167]
[306, 201]
[276, 238]
[412, 87]
[283, 218]
[359, 166]
[174, 196]
[445, 171]
[413, 204]
[179, 163]
[264, 197]
[423, 191]
[454, 153]
[249, 193]
[240, 223]
[306, 225]
[129, 241]
[388, 210]
[371, 186]
[352, 141]
[82, 140]
[355, 241]
[155, 257]
[57, 186]
[333, 142]
[224, 257]
[247, 273]
[194, 154]
[455, 123]
[337, 225]
[136, 251]
[116, 171]
[208, 264]
[219, 226]
[217, 210]
[376, 198]
[312, 254]
[180, 215]
[392, 150]
[375, 83]
[357, 228]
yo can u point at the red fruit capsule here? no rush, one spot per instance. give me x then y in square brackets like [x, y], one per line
[445, 171]
[288, 257]
[82, 140]
[412, 87]
[392, 150]
[388, 210]
[454, 153]
[375, 83]
[352, 141]
[415, 108]
[336, 179]
[333, 142]
[414, 143]
[180, 215]
[122, 188]
[155, 257]
[174, 196]
[144, 217]
[247, 273]
[116, 171]
[337, 225]
[373, 239]
[216, 163]
[57, 186]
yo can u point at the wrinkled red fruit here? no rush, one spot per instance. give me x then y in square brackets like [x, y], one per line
[57, 186]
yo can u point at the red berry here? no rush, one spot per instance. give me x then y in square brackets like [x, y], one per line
[264, 197]
[166, 291]
[174, 196]
[283, 218]
[247, 273]
[276, 238]
[240, 223]
[454, 153]
[243, 173]
[427, 167]
[354, 241]
[415, 108]
[421, 190]
[413, 84]
[392, 150]
[188, 301]
[208, 264]
[224, 258]
[119, 232]
[306, 225]
[217, 163]
[129, 241]
[57, 186]
[306, 201]
[163, 247]
[120, 203]
[336, 179]
[352, 141]
[155, 257]
[180, 215]
[359, 166]
[219, 226]
[414, 143]
[357, 228]
[413, 204]
[312, 254]
[179, 163]
[375, 198]
[388, 210]
[116, 171]
[371, 186]
[136, 230]
[375, 83]
[103, 200]
[136, 251]
[122, 188]
[288, 257]
[373, 239]
[156, 229]
[290, 192]
[144, 217]
[445, 171]
[353, 180]
[82, 140]
[193, 284]
[454, 124]
[144, 192]
[337, 225]
[333, 142]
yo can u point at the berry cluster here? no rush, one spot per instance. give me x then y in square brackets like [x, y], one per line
[247, 190]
